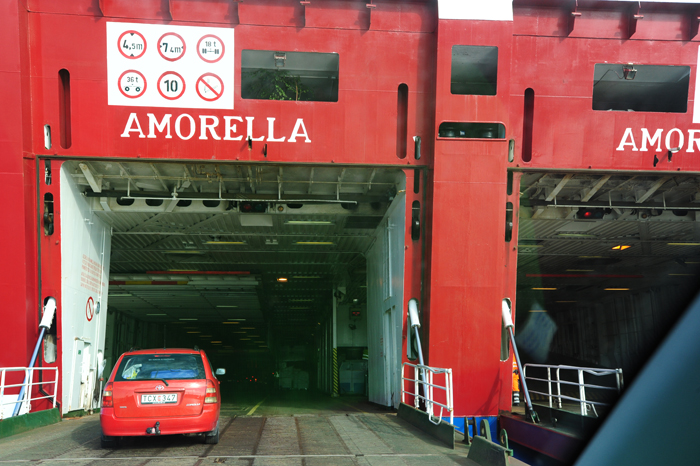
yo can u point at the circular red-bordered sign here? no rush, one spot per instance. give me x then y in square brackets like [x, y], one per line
[210, 48]
[171, 51]
[173, 88]
[135, 43]
[90, 309]
[209, 91]
[130, 86]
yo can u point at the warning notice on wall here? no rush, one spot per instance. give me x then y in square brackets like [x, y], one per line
[91, 275]
[153, 65]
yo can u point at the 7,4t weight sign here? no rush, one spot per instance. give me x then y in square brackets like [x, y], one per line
[171, 85]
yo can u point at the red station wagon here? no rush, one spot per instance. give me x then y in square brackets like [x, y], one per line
[161, 392]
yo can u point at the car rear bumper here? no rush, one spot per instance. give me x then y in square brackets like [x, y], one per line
[131, 427]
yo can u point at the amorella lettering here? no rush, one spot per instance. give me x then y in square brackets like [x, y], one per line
[674, 140]
[209, 127]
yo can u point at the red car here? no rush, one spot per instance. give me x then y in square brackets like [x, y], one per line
[161, 392]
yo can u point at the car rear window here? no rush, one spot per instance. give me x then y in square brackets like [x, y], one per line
[160, 366]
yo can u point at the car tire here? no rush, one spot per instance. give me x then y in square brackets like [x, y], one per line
[108, 442]
[212, 438]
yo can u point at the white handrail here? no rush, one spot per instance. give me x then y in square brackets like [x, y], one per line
[580, 383]
[12, 398]
[428, 384]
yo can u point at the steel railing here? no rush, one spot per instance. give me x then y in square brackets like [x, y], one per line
[423, 377]
[12, 400]
[580, 383]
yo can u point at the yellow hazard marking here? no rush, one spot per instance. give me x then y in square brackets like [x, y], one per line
[256, 407]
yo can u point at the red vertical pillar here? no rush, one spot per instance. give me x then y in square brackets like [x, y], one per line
[18, 331]
[468, 259]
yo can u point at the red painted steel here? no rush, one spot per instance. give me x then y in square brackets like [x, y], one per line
[469, 268]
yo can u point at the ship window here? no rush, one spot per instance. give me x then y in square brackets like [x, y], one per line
[304, 76]
[474, 70]
[641, 88]
[451, 129]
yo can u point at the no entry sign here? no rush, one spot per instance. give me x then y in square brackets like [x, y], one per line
[210, 87]
[90, 309]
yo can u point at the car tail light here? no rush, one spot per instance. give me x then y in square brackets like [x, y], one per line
[211, 393]
[107, 396]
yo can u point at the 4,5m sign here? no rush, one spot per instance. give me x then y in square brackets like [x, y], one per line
[150, 65]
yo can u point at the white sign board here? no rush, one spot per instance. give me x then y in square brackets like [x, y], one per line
[152, 65]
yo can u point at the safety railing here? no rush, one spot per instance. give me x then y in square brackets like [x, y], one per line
[424, 387]
[580, 373]
[8, 402]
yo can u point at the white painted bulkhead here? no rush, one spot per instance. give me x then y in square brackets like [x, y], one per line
[85, 253]
[385, 277]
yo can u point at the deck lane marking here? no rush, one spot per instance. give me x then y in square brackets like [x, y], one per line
[125, 458]
[255, 407]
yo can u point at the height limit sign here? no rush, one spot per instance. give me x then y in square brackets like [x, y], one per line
[156, 65]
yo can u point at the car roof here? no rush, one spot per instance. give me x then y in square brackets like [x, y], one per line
[164, 351]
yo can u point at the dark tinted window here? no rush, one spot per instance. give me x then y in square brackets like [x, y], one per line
[641, 88]
[160, 366]
[474, 70]
[271, 75]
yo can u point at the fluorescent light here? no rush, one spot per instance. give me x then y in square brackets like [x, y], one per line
[301, 300]
[299, 308]
[224, 242]
[156, 314]
[205, 336]
[308, 222]
[621, 247]
[112, 295]
[282, 279]
[229, 323]
[683, 244]
[244, 338]
[616, 289]
[194, 332]
[215, 342]
[247, 328]
[306, 276]
[236, 320]
[315, 242]
[187, 319]
[536, 310]
[225, 305]
[681, 274]
[544, 289]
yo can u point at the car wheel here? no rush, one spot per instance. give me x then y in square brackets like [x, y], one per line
[108, 442]
[212, 437]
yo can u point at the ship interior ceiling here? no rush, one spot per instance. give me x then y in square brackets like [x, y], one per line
[612, 258]
[240, 260]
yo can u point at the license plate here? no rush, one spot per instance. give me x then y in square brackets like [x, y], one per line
[159, 398]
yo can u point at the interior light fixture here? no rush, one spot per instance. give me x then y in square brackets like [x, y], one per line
[536, 310]
[215, 342]
[544, 289]
[683, 244]
[301, 300]
[187, 319]
[118, 295]
[590, 257]
[580, 270]
[681, 274]
[244, 339]
[282, 279]
[308, 222]
[205, 336]
[156, 314]
[616, 289]
[194, 332]
[184, 251]
[621, 247]
[565, 301]
[225, 305]
[236, 320]
[576, 235]
[247, 328]
[224, 242]
[306, 276]
[230, 323]
[299, 308]
[315, 242]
